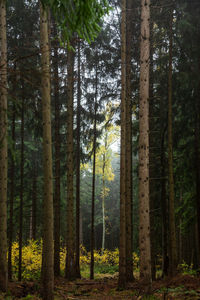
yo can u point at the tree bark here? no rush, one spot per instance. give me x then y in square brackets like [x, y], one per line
[144, 216]
[78, 274]
[57, 159]
[172, 230]
[93, 182]
[197, 172]
[48, 251]
[21, 186]
[81, 228]
[197, 165]
[152, 160]
[129, 194]
[122, 237]
[179, 230]
[103, 197]
[3, 149]
[103, 213]
[34, 203]
[70, 270]
[164, 210]
[12, 189]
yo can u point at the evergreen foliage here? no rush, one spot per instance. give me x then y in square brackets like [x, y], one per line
[81, 17]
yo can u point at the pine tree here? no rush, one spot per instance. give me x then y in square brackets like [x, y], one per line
[92, 238]
[57, 156]
[129, 179]
[47, 255]
[70, 270]
[78, 160]
[122, 245]
[144, 215]
[12, 187]
[172, 230]
[21, 208]
[3, 149]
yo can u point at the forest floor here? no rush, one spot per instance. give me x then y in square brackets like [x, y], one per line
[105, 288]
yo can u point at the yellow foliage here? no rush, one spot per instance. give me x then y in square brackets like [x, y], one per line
[63, 253]
[32, 258]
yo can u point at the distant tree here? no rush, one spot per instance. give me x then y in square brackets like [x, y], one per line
[78, 160]
[70, 271]
[129, 161]
[3, 149]
[33, 220]
[57, 193]
[122, 240]
[12, 184]
[103, 163]
[94, 148]
[157, 145]
[21, 208]
[172, 229]
[107, 91]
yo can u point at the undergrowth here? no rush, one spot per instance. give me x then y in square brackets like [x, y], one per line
[106, 263]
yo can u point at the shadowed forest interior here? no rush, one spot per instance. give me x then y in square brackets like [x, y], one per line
[99, 149]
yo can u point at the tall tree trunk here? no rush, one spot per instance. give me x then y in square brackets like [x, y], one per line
[152, 159]
[34, 203]
[172, 231]
[93, 183]
[144, 222]
[197, 165]
[48, 251]
[70, 271]
[103, 197]
[122, 237]
[196, 245]
[197, 169]
[81, 227]
[31, 224]
[129, 194]
[164, 212]
[21, 186]
[57, 159]
[179, 230]
[12, 189]
[103, 211]
[3, 149]
[78, 274]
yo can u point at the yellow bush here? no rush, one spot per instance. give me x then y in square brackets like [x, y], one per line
[62, 259]
[32, 259]
[135, 261]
